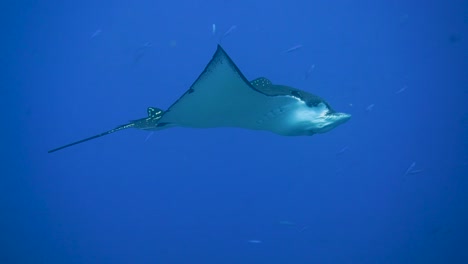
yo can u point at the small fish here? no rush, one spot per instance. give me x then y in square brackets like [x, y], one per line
[370, 107]
[213, 29]
[293, 48]
[140, 51]
[342, 150]
[149, 135]
[96, 33]
[410, 168]
[404, 18]
[229, 31]
[414, 172]
[288, 223]
[309, 71]
[401, 90]
[254, 241]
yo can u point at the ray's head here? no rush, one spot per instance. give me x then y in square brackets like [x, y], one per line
[318, 118]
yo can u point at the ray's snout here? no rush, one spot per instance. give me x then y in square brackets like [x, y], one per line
[333, 120]
[342, 117]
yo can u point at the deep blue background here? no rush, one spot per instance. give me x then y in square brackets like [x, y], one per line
[199, 196]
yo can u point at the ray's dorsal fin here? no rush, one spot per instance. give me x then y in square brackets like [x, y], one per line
[266, 87]
[149, 122]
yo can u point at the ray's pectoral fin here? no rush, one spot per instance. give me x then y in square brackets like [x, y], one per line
[149, 122]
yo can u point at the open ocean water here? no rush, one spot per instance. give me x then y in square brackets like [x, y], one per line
[388, 186]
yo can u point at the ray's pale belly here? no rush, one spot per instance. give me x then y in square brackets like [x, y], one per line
[282, 121]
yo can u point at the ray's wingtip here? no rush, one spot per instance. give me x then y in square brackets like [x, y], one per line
[220, 48]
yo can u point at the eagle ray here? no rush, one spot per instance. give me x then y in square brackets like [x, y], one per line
[223, 97]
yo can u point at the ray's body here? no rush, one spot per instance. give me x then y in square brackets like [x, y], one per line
[222, 97]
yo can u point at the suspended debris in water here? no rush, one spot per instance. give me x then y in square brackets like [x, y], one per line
[454, 38]
[173, 43]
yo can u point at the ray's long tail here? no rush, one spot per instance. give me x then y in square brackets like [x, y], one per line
[149, 122]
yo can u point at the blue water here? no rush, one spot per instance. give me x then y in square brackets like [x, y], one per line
[228, 195]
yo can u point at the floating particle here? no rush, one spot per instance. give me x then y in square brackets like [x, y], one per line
[173, 43]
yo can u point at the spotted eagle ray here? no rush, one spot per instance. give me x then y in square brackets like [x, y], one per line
[223, 97]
